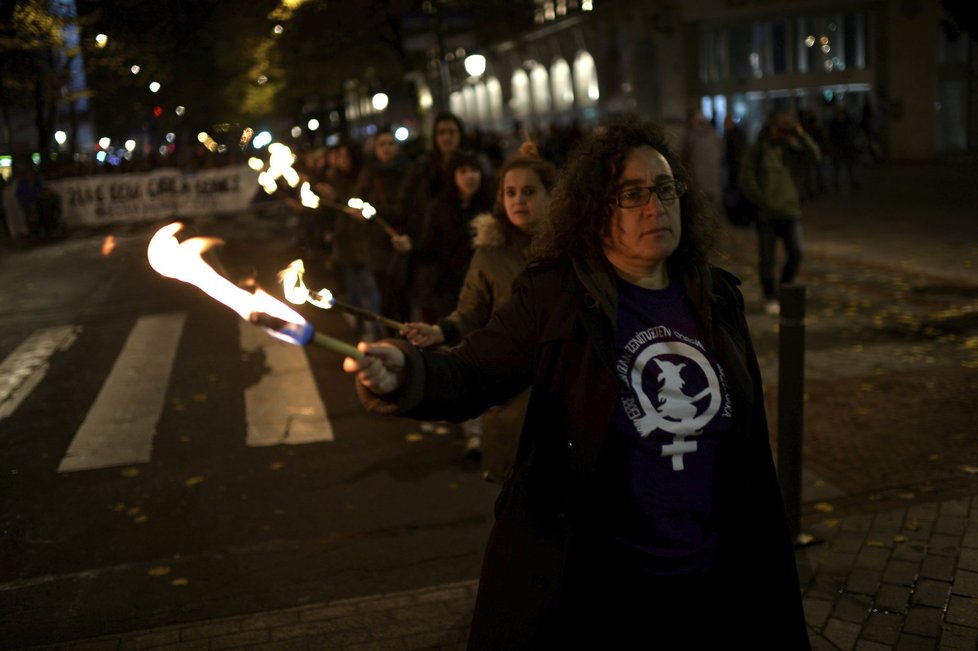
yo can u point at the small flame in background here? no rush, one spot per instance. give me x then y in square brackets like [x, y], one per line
[365, 208]
[108, 245]
[296, 290]
[246, 136]
[183, 261]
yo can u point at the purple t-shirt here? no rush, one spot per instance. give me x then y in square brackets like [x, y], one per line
[658, 463]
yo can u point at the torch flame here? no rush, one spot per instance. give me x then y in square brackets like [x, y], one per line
[365, 208]
[296, 290]
[183, 261]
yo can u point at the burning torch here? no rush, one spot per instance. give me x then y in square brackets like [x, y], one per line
[183, 261]
[297, 292]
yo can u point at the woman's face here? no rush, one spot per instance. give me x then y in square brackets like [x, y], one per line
[640, 239]
[342, 160]
[447, 137]
[385, 148]
[524, 198]
[467, 180]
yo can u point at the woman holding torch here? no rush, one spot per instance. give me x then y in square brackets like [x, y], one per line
[643, 499]
[501, 244]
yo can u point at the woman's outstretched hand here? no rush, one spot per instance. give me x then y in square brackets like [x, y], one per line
[381, 370]
[423, 335]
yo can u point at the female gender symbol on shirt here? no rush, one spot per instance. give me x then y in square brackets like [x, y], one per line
[676, 412]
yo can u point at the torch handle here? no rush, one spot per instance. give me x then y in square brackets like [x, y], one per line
[335, 345]
[370, 316]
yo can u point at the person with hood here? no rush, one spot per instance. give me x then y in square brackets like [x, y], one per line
[501, 245]
[643, 498]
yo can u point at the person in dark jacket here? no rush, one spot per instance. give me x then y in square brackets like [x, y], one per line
[379, 184]
[501, 244]
[643, 502]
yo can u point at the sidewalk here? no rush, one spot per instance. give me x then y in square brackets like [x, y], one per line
[904, 579]
[902, 573]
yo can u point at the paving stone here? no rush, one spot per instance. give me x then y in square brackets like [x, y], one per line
[926, 512]
[841, 634]
[209, 629]
[958, 638]
[915, 643]
[910, 551]
[391, 644]
[901, 572]
[968, 560]
[860, 522]
[838, 563]
[893, 598]
[817, 611]
[852, 608]
[965, 584]
[931, 593]
[958, 508]
[944, 545]
[865, 582]
[938, 567]
[872, 558]
[922, 620]
[883, 628]
[848, 543]
[295, 644]
[970, 536]
[952, 526]
[270, 620]
[961, 610]
[865, 645]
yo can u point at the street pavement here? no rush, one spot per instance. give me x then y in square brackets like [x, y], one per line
[889, 509]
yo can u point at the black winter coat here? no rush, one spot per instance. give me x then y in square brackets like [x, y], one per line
[556, 334]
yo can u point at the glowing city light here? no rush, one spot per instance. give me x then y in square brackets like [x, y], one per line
[104, 142]
[60, 137]
[180, 110]
[134, 70]
[278, 29]
[154, 86]
[101, 40]
[261, 139]
[202, 137]
[130, 145]
[809, 40]
[170, 137]
[313, 124]
[401, 134]
[475, 64]
[379, 101]
[296, 131]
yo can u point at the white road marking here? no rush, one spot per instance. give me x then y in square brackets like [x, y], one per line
[120, 426]
[26, 366]
[284, 407]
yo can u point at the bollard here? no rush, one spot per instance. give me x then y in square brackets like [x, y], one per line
[791, 396]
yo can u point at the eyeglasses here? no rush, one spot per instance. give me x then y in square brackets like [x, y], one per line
[667, 191]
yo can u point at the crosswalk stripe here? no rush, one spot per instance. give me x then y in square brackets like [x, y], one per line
[284, 406]
[23, 369]
[120, 426]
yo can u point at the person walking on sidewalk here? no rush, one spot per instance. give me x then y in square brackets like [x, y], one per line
[767, 180]
[643, 499]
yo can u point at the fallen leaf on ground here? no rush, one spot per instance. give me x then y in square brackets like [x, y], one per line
[179, 582]
[912, 524]
[824, 507]
[907, 495]
[875, 543]
[200, 397]
[159, 570]
[971, 470]
[277, 465]
[130, 472]
[900, 538]
[193, 481]
[414, 437]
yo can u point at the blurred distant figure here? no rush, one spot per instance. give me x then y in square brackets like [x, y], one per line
[739, 211]
[767, 180]
[843, 149]
[812, 178]
[703, 151]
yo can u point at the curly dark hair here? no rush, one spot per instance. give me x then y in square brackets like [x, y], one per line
[579, 215]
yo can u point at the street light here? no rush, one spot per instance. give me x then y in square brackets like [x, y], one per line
[475, 64]
[379, 101]
[101, 40]
[104, 142]
[154, 86]
[60, 137]
[313, 124]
